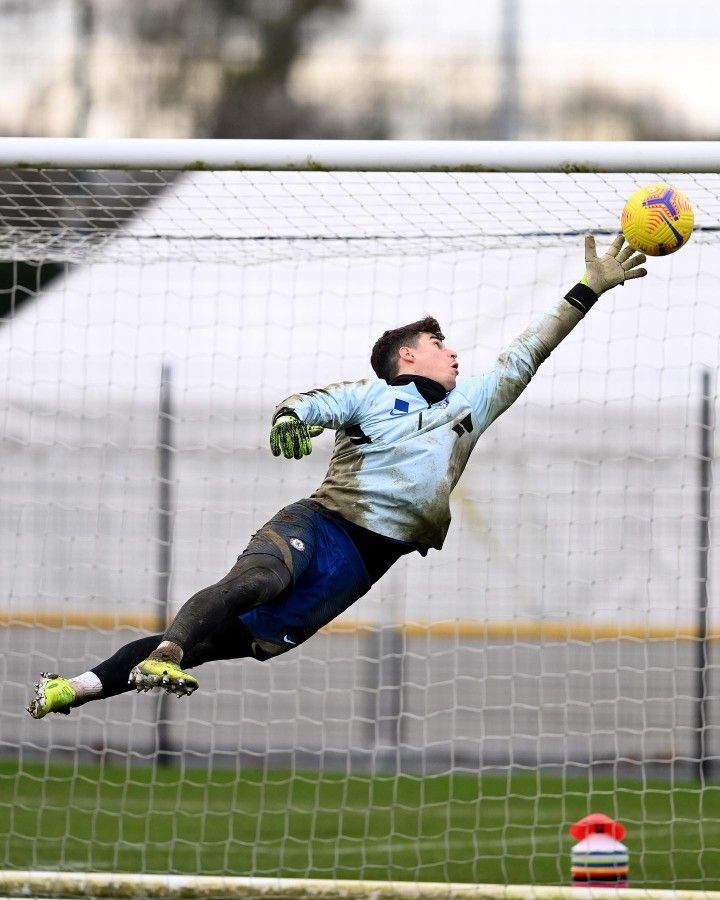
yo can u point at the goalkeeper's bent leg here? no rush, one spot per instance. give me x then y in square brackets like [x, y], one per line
[254, 579]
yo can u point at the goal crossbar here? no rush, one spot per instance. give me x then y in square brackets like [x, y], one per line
[196, 154]
[166, 887]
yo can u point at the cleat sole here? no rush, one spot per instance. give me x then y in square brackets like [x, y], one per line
[148, 681]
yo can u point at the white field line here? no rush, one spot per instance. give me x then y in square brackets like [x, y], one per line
[320, 847]
[481, 843]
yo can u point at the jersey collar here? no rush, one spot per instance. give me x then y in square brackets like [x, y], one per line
[431, 391]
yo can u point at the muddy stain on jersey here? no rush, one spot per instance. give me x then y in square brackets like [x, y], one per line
[340, 489]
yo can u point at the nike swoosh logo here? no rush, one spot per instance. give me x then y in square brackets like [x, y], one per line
[678, 236]
[288, 641]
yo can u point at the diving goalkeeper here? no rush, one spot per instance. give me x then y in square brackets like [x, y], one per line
[402, 441]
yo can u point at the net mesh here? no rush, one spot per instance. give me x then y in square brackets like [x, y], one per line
[457, 719]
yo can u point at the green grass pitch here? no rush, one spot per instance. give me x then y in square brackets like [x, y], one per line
[459, 827]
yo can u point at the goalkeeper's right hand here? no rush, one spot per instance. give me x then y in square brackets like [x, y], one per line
[616, 266]
[290, 436]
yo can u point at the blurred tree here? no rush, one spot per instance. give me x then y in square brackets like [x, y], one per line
[256, 43]
[587, 113]
[595, 113]
[255, 102]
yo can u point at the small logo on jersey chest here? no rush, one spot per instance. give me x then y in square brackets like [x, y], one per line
[297, 544]
[401, 408]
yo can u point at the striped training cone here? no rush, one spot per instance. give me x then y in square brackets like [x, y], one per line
[599, 860]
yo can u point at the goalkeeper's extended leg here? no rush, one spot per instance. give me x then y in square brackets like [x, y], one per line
[254, 579]
[56, 694]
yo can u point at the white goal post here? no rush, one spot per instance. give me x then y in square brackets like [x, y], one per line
[193, 154]
[169, 887]
[557, 657]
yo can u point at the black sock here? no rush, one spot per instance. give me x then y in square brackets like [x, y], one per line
[230, 641]
[113, 672]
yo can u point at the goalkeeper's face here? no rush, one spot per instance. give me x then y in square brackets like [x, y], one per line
[431, 358]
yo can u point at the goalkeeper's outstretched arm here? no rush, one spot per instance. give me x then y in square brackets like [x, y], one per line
[517, 364]
[301, 416]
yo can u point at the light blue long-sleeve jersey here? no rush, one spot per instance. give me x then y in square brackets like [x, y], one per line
[396, 459]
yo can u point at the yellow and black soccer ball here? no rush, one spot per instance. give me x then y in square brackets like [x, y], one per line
[657, 219]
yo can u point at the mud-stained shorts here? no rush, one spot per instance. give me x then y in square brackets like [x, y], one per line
[328, 573]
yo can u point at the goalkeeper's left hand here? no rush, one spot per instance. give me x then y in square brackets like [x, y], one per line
[290, 436]
[615, 267]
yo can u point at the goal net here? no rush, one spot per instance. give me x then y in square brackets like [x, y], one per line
[555, 659]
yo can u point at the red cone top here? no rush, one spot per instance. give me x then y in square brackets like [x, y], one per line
[597, 823]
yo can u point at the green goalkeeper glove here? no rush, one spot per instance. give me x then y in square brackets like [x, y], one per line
[604, 272]
[290, 436]
[615, 267]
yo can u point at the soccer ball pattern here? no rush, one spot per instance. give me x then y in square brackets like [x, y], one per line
[657, 220]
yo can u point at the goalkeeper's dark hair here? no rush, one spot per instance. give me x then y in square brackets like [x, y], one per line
[384, 356]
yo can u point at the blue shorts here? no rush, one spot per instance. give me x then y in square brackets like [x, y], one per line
[328, 574]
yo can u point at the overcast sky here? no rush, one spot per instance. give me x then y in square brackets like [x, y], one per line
[648, 47]
[459, 24]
